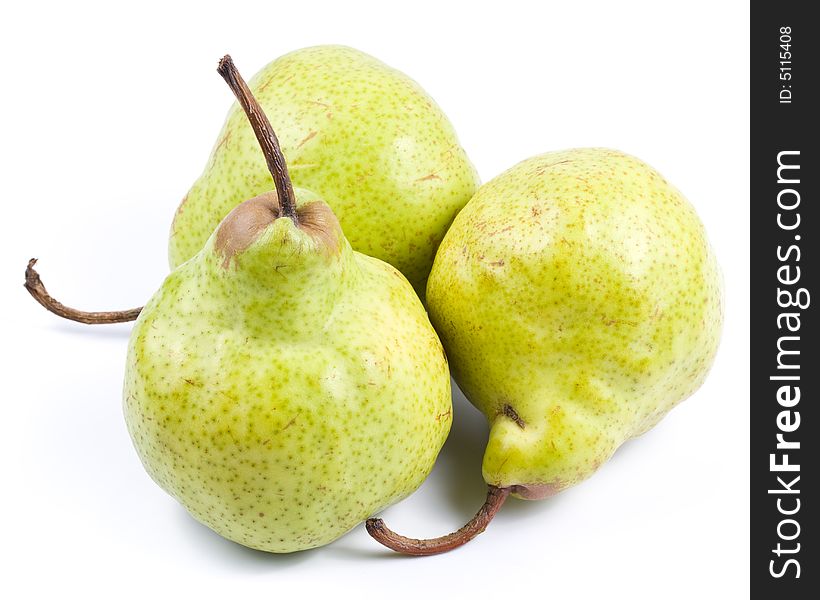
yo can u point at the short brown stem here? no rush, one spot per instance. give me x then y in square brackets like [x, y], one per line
[264, 133]
[382, 534]
[38, 291]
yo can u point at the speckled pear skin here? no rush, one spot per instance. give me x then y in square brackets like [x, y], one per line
[286, 393]
[363, 136]
[579, 301]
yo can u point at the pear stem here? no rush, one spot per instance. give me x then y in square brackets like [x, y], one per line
[387, 537]
[38, 291]
[264, 134]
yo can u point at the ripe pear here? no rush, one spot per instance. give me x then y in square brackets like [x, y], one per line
[578, 300]
[280, 385]
[363, 136]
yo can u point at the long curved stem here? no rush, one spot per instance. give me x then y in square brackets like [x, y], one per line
[405, 545]
[35, 287]
[264, 133]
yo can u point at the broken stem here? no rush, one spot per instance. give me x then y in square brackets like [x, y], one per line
[264, 133]
[385, 536]
[38, 291]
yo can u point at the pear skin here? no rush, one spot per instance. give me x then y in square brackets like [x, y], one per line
[363, 136]
[281, 386]
[579, 301]
[285, 389]
[578, 291]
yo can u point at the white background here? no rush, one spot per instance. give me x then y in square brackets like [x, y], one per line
[108, 115]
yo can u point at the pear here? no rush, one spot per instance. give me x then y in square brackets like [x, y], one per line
[280, 385]
[363, 136]
[578, 300]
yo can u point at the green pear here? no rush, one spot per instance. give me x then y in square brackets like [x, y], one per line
[280, 385]
[363, 136]
[579, 301]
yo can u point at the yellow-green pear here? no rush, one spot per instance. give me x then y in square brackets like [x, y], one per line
[578, 300]
[363, 136]
[280, 385]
